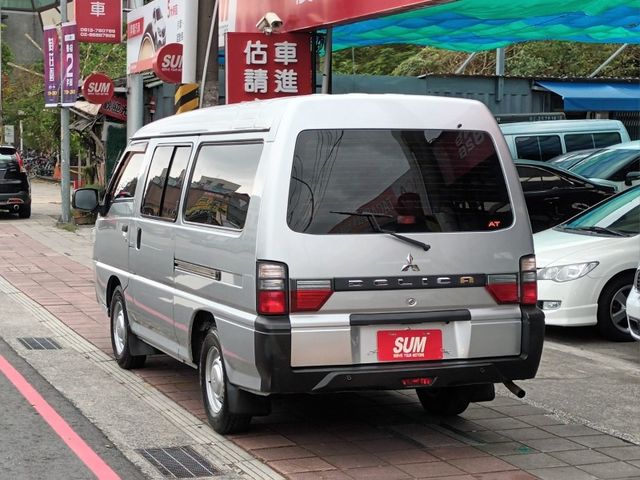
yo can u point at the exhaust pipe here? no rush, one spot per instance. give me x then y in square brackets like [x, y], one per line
[513, 388]
[16, 207]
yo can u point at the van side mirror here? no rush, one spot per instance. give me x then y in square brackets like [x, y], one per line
[85, 199]
[631, 177]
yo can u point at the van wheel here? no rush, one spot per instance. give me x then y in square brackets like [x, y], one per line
[214, 384]
[120, 333]
[612, 310]
[443, 401]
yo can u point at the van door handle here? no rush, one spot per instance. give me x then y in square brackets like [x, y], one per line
[125, 228]
[139, 238]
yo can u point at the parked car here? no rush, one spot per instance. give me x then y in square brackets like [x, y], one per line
[15, 190]
[569, 159]
[633, 307]
[554, 195]
[618, 163]
[587, 266]
[546, 139]
[309, 244]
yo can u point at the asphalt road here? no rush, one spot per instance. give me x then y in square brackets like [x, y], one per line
[30, 447]
[587, 378]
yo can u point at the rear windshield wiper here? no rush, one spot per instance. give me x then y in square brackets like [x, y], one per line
[595, 229]
[377, 228]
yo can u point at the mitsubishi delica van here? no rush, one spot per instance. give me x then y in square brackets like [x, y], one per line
[321, 243]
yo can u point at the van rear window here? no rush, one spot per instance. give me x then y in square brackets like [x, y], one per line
[361, 181]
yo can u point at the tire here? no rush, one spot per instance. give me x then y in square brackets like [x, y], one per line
[24, 211]
[443, 401]
[214, 385]
[612, 313]
[120, 332]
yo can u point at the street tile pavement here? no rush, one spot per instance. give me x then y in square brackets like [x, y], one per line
[367, 435]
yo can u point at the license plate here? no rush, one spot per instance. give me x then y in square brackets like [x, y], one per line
[409, 345]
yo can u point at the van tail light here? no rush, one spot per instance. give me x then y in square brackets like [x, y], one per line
[528, 280]
[503, 287]
[512, 288]
[310, 295]
[271, 288]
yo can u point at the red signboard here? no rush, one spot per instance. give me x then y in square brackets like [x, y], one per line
[98, 88]
[263, 66]
[409, 345]
[115, 108]
[99, 21]
[167, 64]
[310, 14]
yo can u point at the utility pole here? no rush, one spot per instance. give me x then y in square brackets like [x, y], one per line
[135, 92]
[207, 53]
[65, 184]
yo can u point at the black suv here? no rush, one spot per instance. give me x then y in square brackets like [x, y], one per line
[15, 192]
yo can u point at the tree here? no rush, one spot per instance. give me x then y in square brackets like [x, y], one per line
[542, 59]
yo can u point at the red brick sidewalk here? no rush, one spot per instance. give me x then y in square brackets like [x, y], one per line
[371, 435]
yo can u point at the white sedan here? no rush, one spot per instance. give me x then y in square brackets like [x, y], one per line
[633, 307]
[586, 266]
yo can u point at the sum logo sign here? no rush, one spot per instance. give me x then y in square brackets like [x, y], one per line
[167, 64]
[410, 345]
[98, 88]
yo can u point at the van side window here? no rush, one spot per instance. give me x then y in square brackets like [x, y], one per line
[164, 181]
[126, 178]
[542, 147]
[582, 141]
[222, 184]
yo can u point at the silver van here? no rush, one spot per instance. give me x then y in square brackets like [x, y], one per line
[322, 243]
[547, 139]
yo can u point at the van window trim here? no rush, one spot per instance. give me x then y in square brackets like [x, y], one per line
[148, 168]
[192, 166]
[132, 149]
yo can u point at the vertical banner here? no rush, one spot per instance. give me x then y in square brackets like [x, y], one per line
[99, 21]
[70, 64]
[51, 52]
[263, 66]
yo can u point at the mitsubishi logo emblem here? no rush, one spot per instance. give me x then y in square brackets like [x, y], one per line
[410, 265]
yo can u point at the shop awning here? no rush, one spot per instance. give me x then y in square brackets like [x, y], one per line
[583, 96]
[475, 25]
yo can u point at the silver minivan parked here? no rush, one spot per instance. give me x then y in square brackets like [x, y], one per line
[322, 243]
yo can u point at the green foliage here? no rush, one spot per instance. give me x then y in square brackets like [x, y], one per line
[541, 59]
[381, 60]
[110, 59]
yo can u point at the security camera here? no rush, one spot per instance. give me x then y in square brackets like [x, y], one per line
[269, 23]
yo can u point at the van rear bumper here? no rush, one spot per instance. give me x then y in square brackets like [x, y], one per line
[273, 360]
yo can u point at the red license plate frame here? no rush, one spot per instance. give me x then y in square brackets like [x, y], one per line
[409, 345]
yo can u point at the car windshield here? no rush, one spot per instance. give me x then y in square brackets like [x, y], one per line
[605, 163]
[618, 215]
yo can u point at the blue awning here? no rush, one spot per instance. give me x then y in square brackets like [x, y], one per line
[584, 96]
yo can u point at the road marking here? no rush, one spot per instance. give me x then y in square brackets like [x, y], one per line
[77, 445]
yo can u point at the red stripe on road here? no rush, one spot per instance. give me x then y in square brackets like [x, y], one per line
[83, 451]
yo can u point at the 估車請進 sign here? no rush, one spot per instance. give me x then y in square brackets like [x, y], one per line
[99, 21]
[267, 66]
[51, 51]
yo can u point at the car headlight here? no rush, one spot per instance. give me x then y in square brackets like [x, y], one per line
[566, 273]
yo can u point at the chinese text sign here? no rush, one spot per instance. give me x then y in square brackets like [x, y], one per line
[260, 66]
[99, 21]
[51, 52]
[70, 63]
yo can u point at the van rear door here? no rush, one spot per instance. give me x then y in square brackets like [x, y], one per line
[403, 245]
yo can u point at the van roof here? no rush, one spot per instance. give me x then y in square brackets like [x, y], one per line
[262, 115]
[564, 126]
